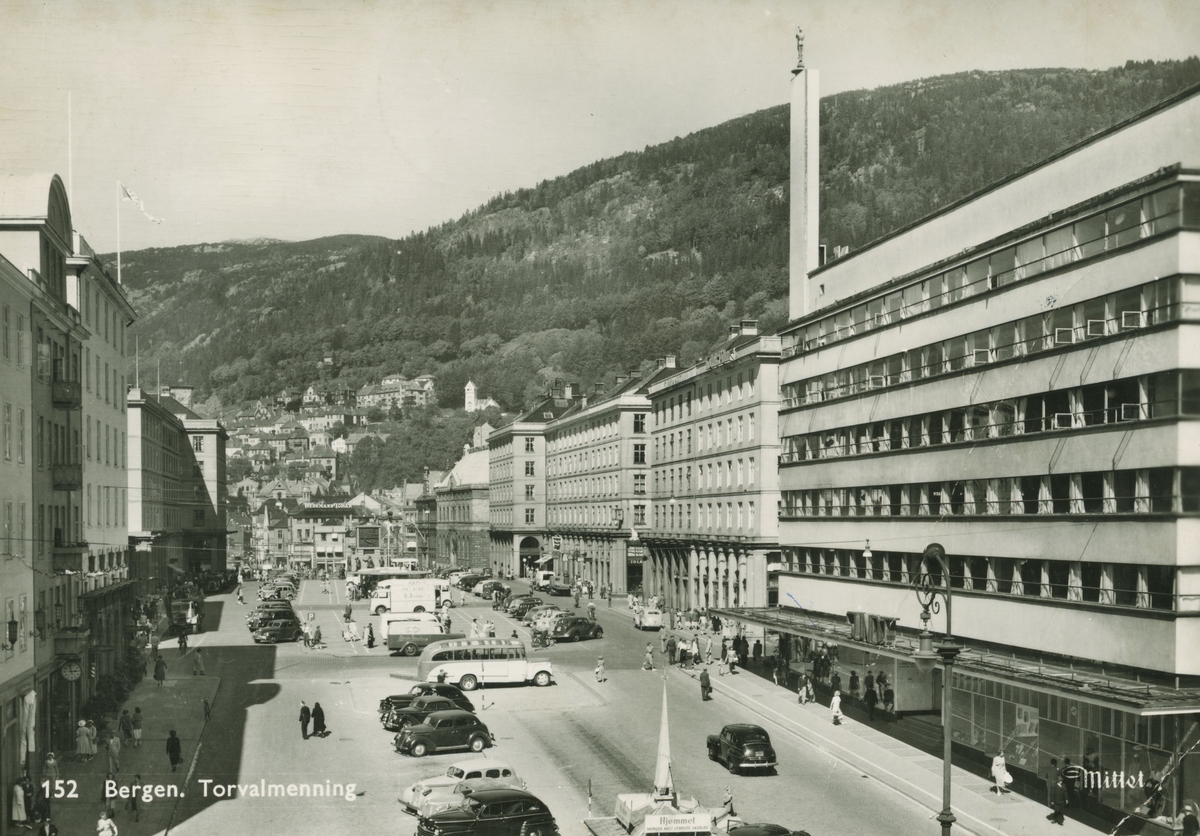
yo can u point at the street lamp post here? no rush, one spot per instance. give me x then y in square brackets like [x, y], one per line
[927, 656]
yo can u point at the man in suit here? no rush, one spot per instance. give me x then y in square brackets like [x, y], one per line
[305, 716]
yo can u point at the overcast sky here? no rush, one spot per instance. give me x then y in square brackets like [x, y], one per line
[255, 119]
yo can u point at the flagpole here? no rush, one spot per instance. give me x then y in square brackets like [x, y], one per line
[137, 361]
[70, 158]
[118, 232]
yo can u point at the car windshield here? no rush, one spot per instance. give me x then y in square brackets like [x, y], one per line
[472, 805]
[454, 772]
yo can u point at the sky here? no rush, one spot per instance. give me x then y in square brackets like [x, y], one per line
[242, 120]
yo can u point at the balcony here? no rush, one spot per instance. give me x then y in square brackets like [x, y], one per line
[68, 477]
[66, 394]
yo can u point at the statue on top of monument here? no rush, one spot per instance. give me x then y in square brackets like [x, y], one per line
[799, 48]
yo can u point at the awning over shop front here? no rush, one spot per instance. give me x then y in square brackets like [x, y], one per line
[545, 559]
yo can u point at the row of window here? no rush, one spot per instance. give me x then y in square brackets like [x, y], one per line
[1158, 490]
[107, 317]
[712, 476]
[715, 435]
[727, 392]
[1117, 584]
[1104, 231]
[740, 517]
[14, 344]
[1162, 395]
[113, 447]
[584, 433]
[110, 507]
[59, 527]
[1136, 307]
[110, 386]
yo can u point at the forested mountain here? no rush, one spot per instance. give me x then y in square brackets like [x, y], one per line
[634, 257]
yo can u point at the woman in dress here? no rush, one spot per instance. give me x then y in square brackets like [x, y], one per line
[835, 708]
[160, 670]
[18, 804]
[82, 742]
[1000, 773]
[318, 720]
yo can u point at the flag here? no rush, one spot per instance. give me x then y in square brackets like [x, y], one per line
[137, 201]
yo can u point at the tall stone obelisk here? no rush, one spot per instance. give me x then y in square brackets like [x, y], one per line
[805, 182]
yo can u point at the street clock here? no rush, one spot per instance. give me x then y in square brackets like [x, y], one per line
[72, 671]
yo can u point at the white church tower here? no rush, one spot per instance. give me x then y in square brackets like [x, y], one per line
[469, 396]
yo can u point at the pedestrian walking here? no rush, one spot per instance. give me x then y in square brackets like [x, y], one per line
[106, 826]
[662, 642]
[92, 735]
[50, 775]
[758, 652]
[671, 648]
[835, 682]
[648, 664]
[708, 646]
[803, 690]
[197, 664]
[207, 710]
[108, 799]
[132, 803]
[240, 600]
[835, 708]
[705, 685]
[114, 752]
[732, 660]
[870, 698]
[154, 646]
[727, 802]
[305, 716]
[869, 682]
[318, 720]
[19, 814]
[854, 684]
[601, 676]
[181, 643]
[348, 614]
[592, 610]
[160, 670]
[82, 741]
[174, 750]
[135, 724]
[1000, 774]
[1056, 796]
[316, 636]
[889, 701]
[370, 637]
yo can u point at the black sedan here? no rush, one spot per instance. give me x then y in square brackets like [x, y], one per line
[576, 627]
[416, 712]
[742, 746]
[279, 630]
[559, 589]
[422, 689]
[764, 829]
[519, 609]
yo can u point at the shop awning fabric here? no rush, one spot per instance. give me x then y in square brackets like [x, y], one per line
[545, 559]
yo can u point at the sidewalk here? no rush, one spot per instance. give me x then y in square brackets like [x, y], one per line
[177, 704]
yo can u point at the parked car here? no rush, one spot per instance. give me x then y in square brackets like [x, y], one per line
[416, 711]
[490, 587]
[576, 627]
[258, 618]
[455, 772]
[742, 746]
[559, 589]
[764, 829]
[492, 813]
[421, 689]
[540, 609]
[648, 619]
[444, 731]
[453, 796]
[467, 582]
[279, 630]
[519, 610]
[548, 619]
[520, 599]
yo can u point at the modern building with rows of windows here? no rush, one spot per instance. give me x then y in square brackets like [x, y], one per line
[1016, 378]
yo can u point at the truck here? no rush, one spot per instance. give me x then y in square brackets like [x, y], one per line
[407, 595]
[542, 579]
[410, 637]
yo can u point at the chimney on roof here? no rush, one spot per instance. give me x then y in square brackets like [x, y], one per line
[749, 327]
[567, 390]
[634, 374]
[619, 379]
[735, 331]
[598, 389]
[668, 362]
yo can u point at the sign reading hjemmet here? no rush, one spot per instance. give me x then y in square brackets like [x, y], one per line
[679, 823]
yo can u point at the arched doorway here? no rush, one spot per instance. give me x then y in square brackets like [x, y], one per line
[529, 553]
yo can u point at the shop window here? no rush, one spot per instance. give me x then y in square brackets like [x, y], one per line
[1125, 578]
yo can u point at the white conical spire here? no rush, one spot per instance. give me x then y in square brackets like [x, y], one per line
[664, 784]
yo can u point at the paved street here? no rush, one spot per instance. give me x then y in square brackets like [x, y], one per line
[560, 739]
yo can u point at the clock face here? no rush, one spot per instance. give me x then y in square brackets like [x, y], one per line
[72, 671]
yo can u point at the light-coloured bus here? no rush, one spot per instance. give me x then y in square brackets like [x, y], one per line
[468, 663]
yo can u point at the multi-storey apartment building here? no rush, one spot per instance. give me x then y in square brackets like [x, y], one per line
[714, 482]
[597, 468]
[1015, 381]
[517, 486]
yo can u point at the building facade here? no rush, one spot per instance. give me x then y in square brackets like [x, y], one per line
[462, 513]
[714, 482]
[517, 487]
[1015, 381]
[597, 469]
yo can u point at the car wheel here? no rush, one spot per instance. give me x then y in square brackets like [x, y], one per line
[418, 609]
[468, 683]
[541, 679]
[409, 650]
[270, 640]
[478, 744]
[712, 753]
[733, 769]
[419, 750]
[380, 610]
[599, 633]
